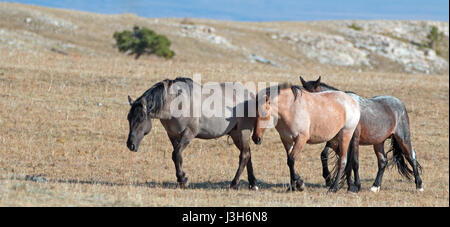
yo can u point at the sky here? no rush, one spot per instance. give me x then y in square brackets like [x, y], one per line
[264, 10]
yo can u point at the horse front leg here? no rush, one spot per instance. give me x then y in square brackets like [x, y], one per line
[243, 160]
[179, 145]
[325, 171]
[296, 180]
[355, 166]
[382, 163]
[354, 146]
[251, 176]
[242, 142]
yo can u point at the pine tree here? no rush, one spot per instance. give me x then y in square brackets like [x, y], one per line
[143, 41]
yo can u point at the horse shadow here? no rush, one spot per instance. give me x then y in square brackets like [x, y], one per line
[225, 185]
[205, 185]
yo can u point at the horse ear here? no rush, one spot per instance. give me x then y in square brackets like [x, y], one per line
[302, 80]
[317, 83]
[144, 104]
[130, 100]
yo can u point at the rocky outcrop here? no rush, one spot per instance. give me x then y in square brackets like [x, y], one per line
[356, 44]
[398, 41]
[205, 33]
[327, 49]
[410, 56]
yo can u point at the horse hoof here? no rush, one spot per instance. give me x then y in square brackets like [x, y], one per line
[334, 190]
[353, 188]
[420, 189]
[234, 187]
[253, 188]
[375, 189]
[183, 183]
[300, 186]
[290, 189]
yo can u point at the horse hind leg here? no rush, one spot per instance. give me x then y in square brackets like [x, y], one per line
[410, 155]
[344, 143]
[382, 162]
[402, 138]
[355, 163]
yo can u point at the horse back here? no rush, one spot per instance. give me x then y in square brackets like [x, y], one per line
[230, 115]
[336, 103]
[380, 116]
[329, 113]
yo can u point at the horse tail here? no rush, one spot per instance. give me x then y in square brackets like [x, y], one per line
[398, 158]
[350, 158]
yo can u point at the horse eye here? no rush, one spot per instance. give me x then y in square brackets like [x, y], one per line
[141, 117]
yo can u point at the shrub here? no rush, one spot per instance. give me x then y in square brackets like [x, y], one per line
[355, 27]
[435, 41]
[143, 41]
[187, 21]
[434, 37]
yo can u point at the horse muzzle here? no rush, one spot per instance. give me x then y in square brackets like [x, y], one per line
[132, 147]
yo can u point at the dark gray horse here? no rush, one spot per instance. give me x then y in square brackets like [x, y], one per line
[165, 101]
[382, 117]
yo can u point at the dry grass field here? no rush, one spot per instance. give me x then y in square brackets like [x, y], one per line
[63, 124]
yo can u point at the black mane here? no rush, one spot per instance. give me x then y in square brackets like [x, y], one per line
[156, 94]
[179, 79]
[328, 87]
[295, 89]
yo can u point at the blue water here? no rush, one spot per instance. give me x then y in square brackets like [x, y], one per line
[264, 10]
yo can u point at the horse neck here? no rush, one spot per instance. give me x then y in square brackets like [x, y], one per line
[163, 113]
[160, 115]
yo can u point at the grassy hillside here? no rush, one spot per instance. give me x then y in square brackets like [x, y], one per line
[63, 99]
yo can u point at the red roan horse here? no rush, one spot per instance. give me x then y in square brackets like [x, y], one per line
[302, 117]
[382, 117]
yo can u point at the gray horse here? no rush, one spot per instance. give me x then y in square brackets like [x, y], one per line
[163, 101]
